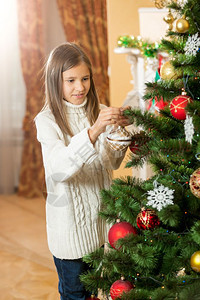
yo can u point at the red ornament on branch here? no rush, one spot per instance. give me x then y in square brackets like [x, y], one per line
[119, 287]
[139, 139]
[160, 62]
[178, 105]
[134, 147]
[147, 219]
[155, 105]
[120, 230]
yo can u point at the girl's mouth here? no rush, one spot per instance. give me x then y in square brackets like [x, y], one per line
[79, 95]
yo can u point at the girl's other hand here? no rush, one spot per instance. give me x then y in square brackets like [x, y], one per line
[107, 116]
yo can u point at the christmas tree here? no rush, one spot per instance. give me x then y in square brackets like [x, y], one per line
[154, 241]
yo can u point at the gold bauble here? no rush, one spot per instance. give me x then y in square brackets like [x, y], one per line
[169, 19]
[182, 25]
[195, 261]
[167, 71]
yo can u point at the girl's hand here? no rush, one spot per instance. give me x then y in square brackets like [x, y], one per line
[107, 116]
[123, 120]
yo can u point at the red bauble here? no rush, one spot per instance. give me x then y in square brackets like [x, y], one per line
[134, 147]
[147, 219]
[120, 230]
[120, 286]
[178, 105]
[92, 298]
[155, 105]
[138, 140]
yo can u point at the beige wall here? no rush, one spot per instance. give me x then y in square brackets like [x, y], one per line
[123, 19]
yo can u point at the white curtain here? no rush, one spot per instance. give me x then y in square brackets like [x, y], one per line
[12, 98]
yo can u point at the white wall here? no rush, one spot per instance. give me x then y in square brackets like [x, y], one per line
[152, 25]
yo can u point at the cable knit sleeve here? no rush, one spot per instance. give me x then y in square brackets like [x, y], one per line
[60, 161]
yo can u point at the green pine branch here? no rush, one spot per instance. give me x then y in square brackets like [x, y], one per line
[167, 89]
[160, 126]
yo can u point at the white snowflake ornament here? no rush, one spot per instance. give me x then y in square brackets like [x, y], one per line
[182, 3]
[192, 45]
[160, 197]
[189, 129]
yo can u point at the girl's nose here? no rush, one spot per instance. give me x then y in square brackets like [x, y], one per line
[80, 86]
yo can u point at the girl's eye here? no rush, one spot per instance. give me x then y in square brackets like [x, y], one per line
[70, 80]
[85, 78]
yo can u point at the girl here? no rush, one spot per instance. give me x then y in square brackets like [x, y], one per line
[72, 130]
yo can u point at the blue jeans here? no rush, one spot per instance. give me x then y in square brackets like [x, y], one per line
[69, 286]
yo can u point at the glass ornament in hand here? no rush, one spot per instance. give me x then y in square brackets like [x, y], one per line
[119, 139]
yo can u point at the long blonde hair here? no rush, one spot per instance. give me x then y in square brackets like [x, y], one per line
[62, 58]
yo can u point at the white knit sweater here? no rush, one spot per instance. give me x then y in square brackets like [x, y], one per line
[75, 172]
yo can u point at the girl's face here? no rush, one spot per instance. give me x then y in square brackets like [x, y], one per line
[76, 84]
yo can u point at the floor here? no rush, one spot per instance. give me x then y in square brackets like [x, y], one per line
[26, 267]
[27, 270]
